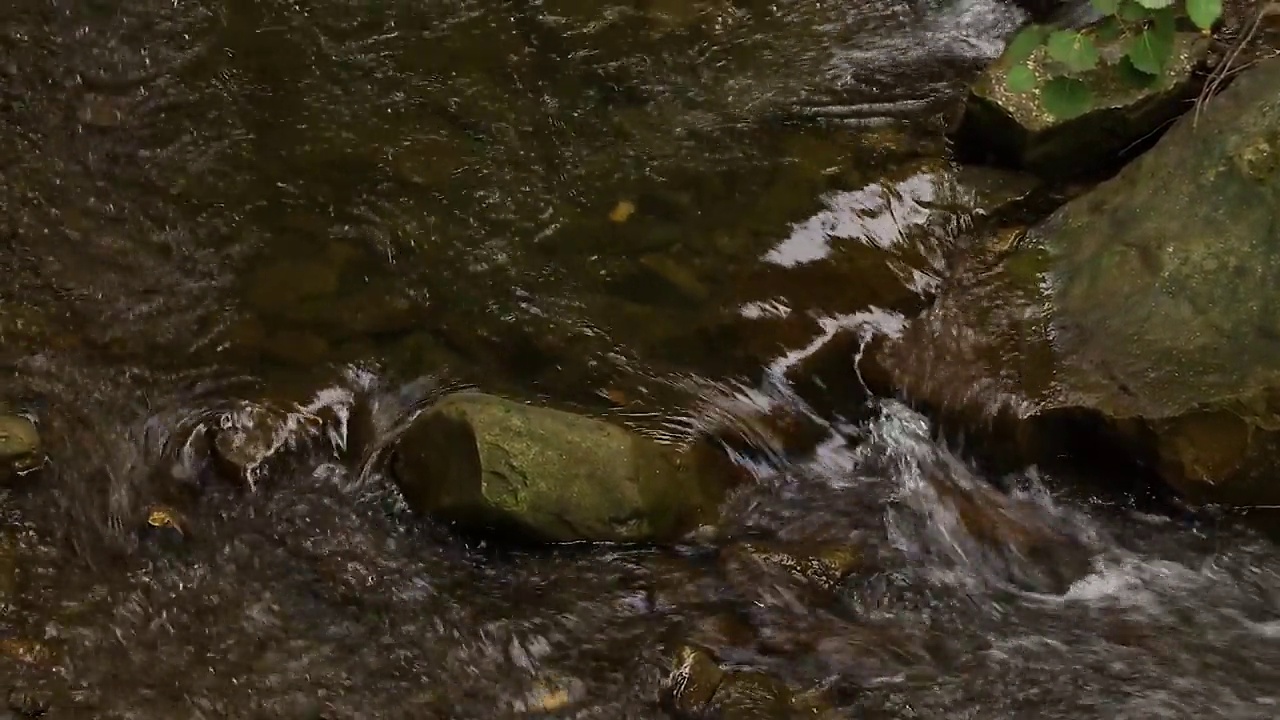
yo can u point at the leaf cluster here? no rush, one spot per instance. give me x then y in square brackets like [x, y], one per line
[1146, 29]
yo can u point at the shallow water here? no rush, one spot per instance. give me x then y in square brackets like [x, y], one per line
[655, 211]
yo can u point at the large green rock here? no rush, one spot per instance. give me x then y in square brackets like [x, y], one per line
[1142, 316]
[485, 462]
[1126, 107]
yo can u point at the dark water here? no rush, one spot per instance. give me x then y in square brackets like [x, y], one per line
[655, 210]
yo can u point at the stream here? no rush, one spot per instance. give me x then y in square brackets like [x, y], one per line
[654, 211]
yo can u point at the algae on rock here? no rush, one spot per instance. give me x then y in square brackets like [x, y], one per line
[485, 462]
[19, 446]
[1144, 310]
[1125, 107]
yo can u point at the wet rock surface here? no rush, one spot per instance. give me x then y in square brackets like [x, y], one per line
[699, 687]
[487, 462]
[692, 683]
[20, 449]
[248, 440]
[1175, 368]
[1125, 109]
[28, 703]
[1013, 535]
[822, 567]
[248, 437]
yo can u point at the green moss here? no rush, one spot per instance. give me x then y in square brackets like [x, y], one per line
[485, 461]
[1122, 110]
[19, 446]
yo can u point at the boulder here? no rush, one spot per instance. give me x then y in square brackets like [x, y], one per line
[1141, 316]
[485, 462]
[1125, 108]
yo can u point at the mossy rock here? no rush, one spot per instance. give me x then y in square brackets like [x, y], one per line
[1126, 107]
[699, 687]
[20, 449]
[821, 566]
[488, 463]
[692, 683]
[1141, 317]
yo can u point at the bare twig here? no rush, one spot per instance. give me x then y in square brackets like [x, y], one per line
[1227, 68]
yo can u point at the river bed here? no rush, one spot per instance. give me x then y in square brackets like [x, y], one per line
[654, 211]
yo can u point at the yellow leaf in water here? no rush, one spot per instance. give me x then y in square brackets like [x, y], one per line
[24, 650]
[623, 210]
[161, 517]
[616, 396]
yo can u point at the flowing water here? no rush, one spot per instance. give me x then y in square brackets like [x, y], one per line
[656, 210]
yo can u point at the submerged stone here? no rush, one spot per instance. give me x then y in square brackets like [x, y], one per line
[485, 462]
[19, 446]
[28, 703]
[1142, 316]
[103, 111]
[551, 694]
[815, 704]
[692, 683]
[1016, 540]
[8, 570]
[1126, 106]
[752, 695]
[246, 439]
[821, 566]
[699, 687]
[26, 650]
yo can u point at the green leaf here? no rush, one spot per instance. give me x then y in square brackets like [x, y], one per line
[1106, 7]
[1166, 21]
[1074, 50]
[1155, 4]
[1021, 79]
[1132, 76]
[1065, 97]
[1108, 30]
[1151, 49]
[1025, 43]
[1204, 13]
[1131, 11]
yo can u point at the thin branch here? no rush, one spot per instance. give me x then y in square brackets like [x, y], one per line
[1224, 71]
